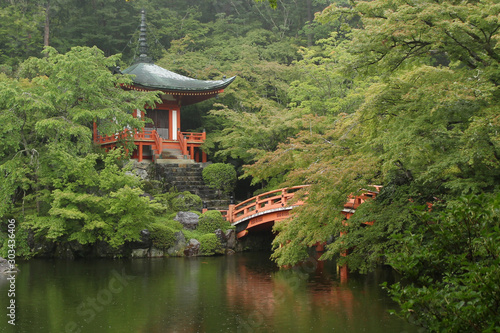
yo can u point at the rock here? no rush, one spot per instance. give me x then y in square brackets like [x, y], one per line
[71, 250]
[143, 174]
[63, 252]
[230, 252]
[189, 220]
[5, 267]
[139, 253]
[192, 248]
[231, 239]
[104, 250]
[138, 169]
[147, 195]
[222, 237]
[144, 242]
[180, 244]
[156, 253]
[187, 202]
[44, 249]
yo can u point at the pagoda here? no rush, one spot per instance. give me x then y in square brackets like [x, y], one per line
[163, 138]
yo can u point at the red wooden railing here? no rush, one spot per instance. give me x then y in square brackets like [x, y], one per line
[198, 137]
[158, 142]
[182, 142]
[187, 141]
[103, 139]
[264, 202]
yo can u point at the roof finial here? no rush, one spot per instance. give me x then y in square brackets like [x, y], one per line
[143, 45]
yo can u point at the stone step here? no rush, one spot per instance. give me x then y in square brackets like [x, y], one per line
[194, 183]
[174, 161]
[188, 177]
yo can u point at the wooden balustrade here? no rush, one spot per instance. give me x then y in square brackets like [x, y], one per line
[182, 142]
[188, 141]
[264, 202]
[158, 142]
[190, 136]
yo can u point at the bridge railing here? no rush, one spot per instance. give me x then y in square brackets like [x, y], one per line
[264, 202]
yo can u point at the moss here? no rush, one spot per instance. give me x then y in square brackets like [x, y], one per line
[210, 245]
[211, 221]
[195, 234]
[162, 235]
[187, 201]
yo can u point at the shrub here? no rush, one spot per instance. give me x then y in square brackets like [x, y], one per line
[220, 176]
[211, 221]
[187, 201]
[162, 235]
[210, 244]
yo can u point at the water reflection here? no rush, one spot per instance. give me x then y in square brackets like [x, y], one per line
[241, 293]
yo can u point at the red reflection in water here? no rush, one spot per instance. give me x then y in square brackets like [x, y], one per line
[286, 293]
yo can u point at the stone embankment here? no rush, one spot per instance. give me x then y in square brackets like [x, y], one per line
[182, 246]
[5, 267]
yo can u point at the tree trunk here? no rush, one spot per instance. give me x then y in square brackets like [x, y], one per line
[310, 19]
[47, 25]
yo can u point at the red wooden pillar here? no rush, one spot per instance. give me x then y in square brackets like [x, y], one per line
[95, 131]
[191, 150]
[171, 129]
[204, 157]
[179, 119]
[139, 158]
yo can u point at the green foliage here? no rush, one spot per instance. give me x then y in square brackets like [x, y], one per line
[88, 205]
[187, 201]
[210, 244]
[210, 221]
[452, 263]
[22, 237]
[52, 179]
[20, 35]
[220, 176]
[422, 130]
[192, 234]
[163, 233]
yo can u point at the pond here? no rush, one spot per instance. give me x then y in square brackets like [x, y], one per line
[239, 293]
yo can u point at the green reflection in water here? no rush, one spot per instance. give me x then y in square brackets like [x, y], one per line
[240, 293]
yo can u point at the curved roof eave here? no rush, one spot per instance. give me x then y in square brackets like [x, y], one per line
[151, 76]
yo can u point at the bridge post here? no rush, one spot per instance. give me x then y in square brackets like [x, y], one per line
[230, 212]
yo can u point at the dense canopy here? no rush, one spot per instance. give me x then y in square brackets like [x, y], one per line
[402, 94]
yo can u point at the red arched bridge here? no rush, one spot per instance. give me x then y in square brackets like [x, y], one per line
[262, 211]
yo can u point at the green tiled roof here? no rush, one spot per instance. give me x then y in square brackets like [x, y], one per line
[148, 75]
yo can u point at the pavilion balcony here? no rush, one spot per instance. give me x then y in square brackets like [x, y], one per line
[150, 145]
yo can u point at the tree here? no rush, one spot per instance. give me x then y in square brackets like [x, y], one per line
[433, 124]
[47, 117]
[433, 32]
[89, 205]
[427, 129]
[451, 267]
[20, 37]
[220, 176]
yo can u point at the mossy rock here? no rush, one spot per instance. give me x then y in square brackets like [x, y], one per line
[187, 201]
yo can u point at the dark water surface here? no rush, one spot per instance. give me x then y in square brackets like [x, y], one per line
[240, 293]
